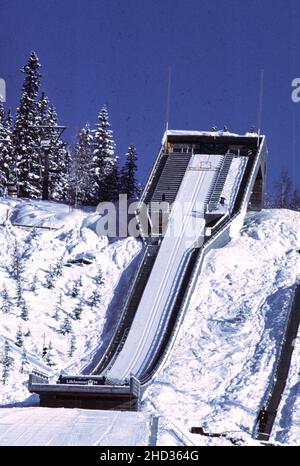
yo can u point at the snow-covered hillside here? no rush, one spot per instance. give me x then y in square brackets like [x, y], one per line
[222, 362]
[65, 300]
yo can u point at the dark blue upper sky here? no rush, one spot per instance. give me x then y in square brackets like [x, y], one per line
[118, 52]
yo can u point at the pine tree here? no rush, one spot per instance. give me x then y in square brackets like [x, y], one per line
[95, 298]
[104, 160]
[42, 117]
[81, 179]
[112, 184]
[78, 309]
[58, 307]
[24, 361]
[66, 326]
[3, 179]
[129, 183]
[9, 152]
[6, 301]
[24, 311]
[49, 358]
[34, 283]
[50, 279]
[19, 296]
[17, 266]
[25, 135]
[58, 268]
[6, 151]
[53, 153]
[72, 345]
[19, 337]
[59, 160]
[7, 362]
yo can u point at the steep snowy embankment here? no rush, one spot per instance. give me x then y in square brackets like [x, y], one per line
[223, 359]
[61, 301]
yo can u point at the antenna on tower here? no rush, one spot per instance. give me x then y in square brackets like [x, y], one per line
[168, 98]
[260, 104]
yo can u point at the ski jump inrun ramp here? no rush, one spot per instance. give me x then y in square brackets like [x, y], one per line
[198, 192]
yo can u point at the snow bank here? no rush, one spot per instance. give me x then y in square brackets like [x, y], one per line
[223, 360]
[41, 213]
[58, 252]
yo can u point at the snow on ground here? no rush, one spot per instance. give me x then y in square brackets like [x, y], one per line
[222, 362]
[67, 427]
[223, 359]
[43, 252]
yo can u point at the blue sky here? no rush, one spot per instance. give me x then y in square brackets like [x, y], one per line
[118, 52]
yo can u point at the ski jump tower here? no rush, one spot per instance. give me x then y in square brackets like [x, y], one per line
[211, 179]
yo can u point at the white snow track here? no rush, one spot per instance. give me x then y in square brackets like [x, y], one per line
[196, 187]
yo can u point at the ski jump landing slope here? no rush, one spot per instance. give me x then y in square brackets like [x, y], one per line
[191, 199]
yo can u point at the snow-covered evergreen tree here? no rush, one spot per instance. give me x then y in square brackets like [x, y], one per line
[53, 152]
[24, 310]
[24, 361]
[51, 275]
[19, 337]
[25, 134]
[6, 151]
[6, 301]
[66, 326]
[3, 179]
[78, 309]
[6, 361]
[58, 307]
[72, 345]
[104, 160]
[58, 268]
[128, 183]
[81, 178]
[34, 283]
[50, 356]
[59, 160]
[19, 295]
[95, 299]
[17, 267]
[112, 184]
